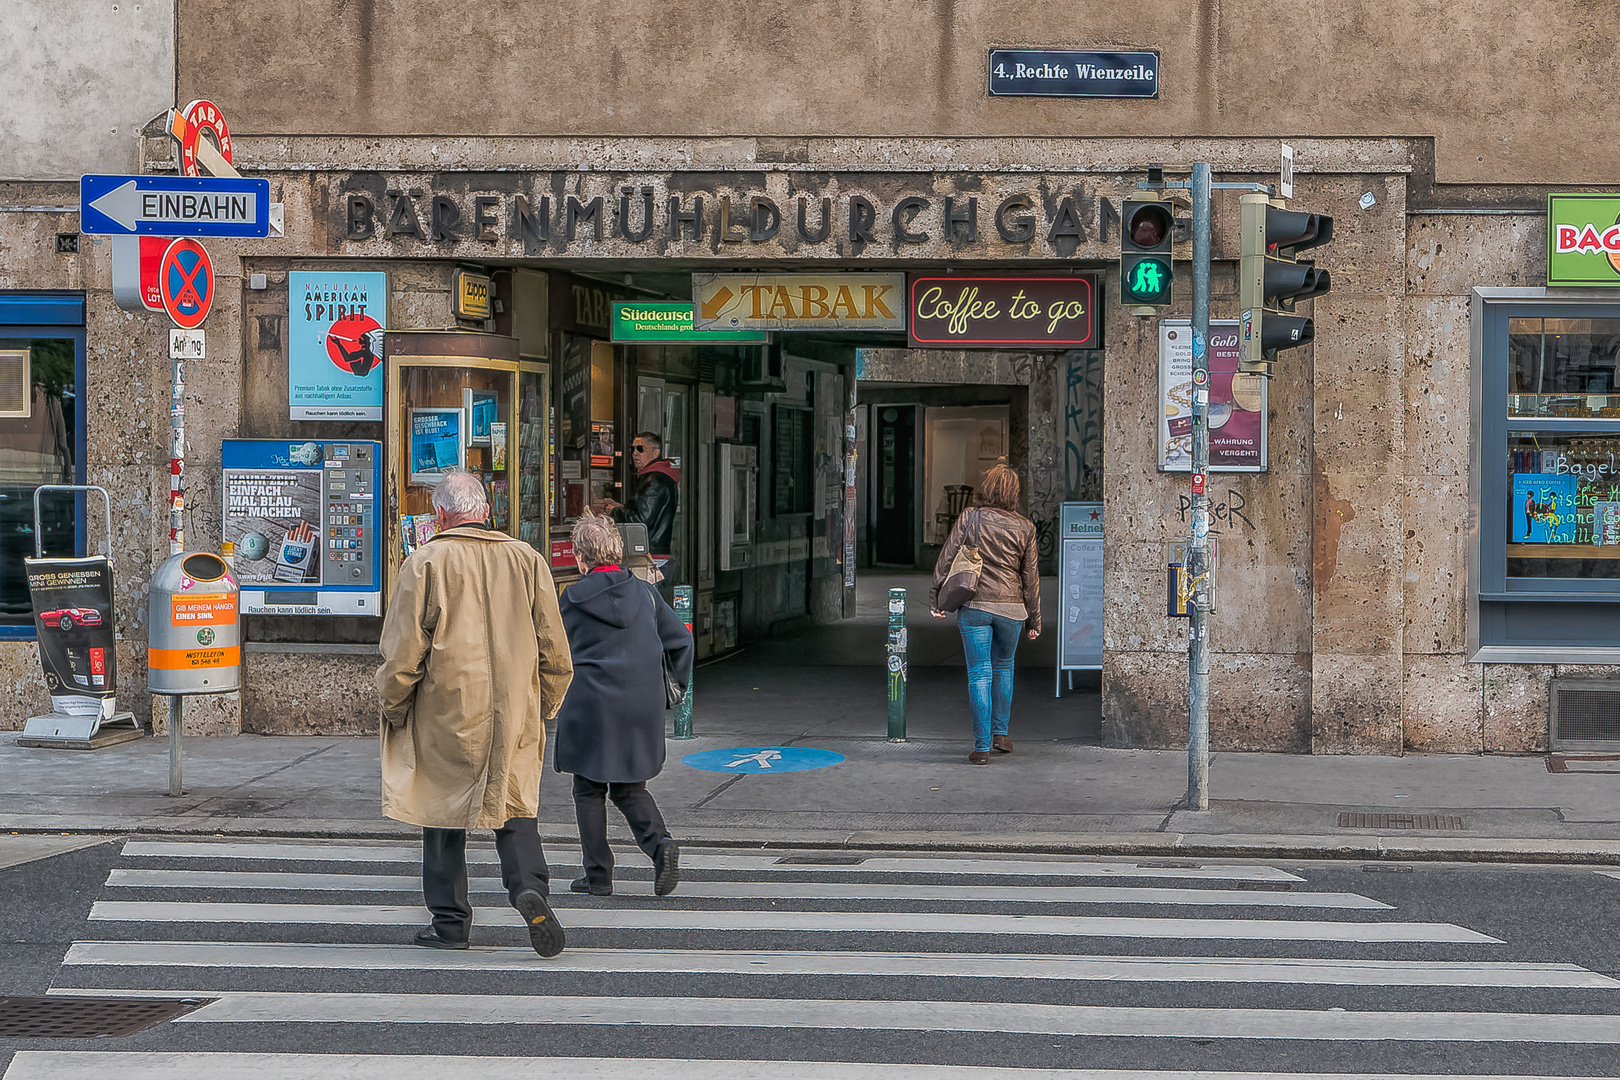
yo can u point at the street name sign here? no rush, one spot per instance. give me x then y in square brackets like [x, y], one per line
[174, 206]
[1073, 73]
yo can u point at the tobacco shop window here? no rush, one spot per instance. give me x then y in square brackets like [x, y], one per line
[1548, 483]
[41, 439]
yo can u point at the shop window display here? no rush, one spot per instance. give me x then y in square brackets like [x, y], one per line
[40, 443]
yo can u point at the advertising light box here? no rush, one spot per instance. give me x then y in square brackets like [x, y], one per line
[300, 526]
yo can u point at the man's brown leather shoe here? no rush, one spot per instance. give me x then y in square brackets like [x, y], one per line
[979, 757]
[1001, 744]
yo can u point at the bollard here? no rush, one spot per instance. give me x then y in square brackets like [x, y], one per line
[683, 711]
[175, 703]
[896, 648]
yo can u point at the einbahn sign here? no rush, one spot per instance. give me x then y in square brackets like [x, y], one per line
[174, 206]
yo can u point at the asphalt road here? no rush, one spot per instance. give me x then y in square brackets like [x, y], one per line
[1024, 966]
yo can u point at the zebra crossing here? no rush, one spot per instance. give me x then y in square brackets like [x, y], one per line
[917, 967]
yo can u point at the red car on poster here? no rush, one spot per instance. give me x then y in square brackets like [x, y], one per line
[68, 618]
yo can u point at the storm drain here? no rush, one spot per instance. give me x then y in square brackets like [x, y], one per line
[821, 860]
[1349, 820]
[86, 1017]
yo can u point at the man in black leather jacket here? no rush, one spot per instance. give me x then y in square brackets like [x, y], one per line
[654, 498]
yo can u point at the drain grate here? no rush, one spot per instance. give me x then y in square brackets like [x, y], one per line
[1583, 763]
[821, 860]
[1348, 820]
[86, 1017]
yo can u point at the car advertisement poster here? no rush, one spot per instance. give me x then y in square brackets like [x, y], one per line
[1237, 401]
[73, 614]
[335, 328]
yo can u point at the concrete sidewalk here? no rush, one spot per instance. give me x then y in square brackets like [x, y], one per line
[1057, 793]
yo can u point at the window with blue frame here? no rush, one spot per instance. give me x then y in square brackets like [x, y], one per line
[1549, 484]
[41, 438]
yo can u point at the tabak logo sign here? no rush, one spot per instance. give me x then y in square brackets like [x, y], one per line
[1583, 240]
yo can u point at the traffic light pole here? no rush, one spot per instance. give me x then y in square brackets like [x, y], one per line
[1198, 555]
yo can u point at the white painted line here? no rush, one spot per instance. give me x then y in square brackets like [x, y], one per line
[1326, 972]
[1022, 1018]
[215, 1065]
[817, 921]
[315, 851]
[1610, 873]
[769, 890]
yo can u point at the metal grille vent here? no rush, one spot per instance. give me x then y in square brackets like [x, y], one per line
[1584, 714]
[1350, 820]
[85, 1017]
[16, 383]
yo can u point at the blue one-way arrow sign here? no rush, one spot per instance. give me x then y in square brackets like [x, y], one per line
[174, 206]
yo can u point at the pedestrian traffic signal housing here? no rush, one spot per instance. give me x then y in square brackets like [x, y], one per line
[1145, 266]
[1272, 281]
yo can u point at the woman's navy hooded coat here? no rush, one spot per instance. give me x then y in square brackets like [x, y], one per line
[611, 728]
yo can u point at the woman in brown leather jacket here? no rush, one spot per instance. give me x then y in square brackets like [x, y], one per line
[1008, 600]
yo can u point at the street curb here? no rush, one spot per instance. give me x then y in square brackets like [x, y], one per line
[1153, 845]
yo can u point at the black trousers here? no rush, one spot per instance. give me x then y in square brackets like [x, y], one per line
[635, 802]
[444, 872]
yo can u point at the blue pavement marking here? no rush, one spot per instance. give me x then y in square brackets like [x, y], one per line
[762, 759]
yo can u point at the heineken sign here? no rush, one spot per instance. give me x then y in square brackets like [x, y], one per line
[1583, 240]
[670, 324]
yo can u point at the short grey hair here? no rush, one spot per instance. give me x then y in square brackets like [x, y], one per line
[597, 541]
[461, 494]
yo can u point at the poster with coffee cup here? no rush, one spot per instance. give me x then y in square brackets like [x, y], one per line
[1238, 425]
[73, 615]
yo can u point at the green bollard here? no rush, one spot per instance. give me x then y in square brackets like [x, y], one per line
[683, 711]
[896, 649]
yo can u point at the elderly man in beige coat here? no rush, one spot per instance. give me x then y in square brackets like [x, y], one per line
[474, 662]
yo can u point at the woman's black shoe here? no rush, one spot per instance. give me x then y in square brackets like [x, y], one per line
[580, 885]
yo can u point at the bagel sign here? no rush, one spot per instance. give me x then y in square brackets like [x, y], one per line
[1583, 240]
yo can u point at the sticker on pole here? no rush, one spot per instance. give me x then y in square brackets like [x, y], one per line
[186, 279]
[762, 759]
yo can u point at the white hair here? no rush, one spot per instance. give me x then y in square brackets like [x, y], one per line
[461, 494]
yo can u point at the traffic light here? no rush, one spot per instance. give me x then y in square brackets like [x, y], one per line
[1145, 269]
[1271, 283]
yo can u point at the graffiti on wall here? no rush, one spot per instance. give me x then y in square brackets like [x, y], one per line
[1082, 426]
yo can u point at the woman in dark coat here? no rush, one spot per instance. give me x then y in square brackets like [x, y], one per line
[610, 732]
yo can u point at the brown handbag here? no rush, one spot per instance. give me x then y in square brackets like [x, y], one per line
[962, 583]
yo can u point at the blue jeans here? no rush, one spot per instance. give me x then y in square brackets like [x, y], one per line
[990, 641]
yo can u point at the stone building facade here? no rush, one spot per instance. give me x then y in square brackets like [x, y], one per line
[1347, 621]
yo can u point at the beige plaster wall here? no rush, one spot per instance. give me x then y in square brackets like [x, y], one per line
[1481, 76]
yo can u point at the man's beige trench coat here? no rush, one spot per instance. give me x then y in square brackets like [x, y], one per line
[474, 662]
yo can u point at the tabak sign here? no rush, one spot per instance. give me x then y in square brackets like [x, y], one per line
[1001, 312]
[1583, 240]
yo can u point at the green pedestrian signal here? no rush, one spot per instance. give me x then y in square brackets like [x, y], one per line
[1149, 282]
[1146, 268]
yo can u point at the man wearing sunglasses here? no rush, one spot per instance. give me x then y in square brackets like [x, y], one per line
[653, 499]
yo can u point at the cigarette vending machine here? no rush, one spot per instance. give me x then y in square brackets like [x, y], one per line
[301, 525]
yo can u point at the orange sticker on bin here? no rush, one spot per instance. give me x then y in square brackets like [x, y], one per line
[211, 609]
[193, 659]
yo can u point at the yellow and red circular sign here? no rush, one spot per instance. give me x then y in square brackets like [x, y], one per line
[186, 280]
[203, 120]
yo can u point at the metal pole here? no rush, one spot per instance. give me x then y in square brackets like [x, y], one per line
[177, 457]
[175, 703]
[1198, 550]
[683, 711]
[896, 649]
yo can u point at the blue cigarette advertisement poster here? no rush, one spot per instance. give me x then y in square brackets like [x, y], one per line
[436, 445]
[335, 326]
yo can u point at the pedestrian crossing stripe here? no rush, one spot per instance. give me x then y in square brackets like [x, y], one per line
[769, 890]
[663, 918]
[1212, 969]
[1002, 1018]
[960, 864]
[225, 1065]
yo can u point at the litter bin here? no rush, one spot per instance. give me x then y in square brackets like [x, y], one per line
[194, 645]
[194, 642]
